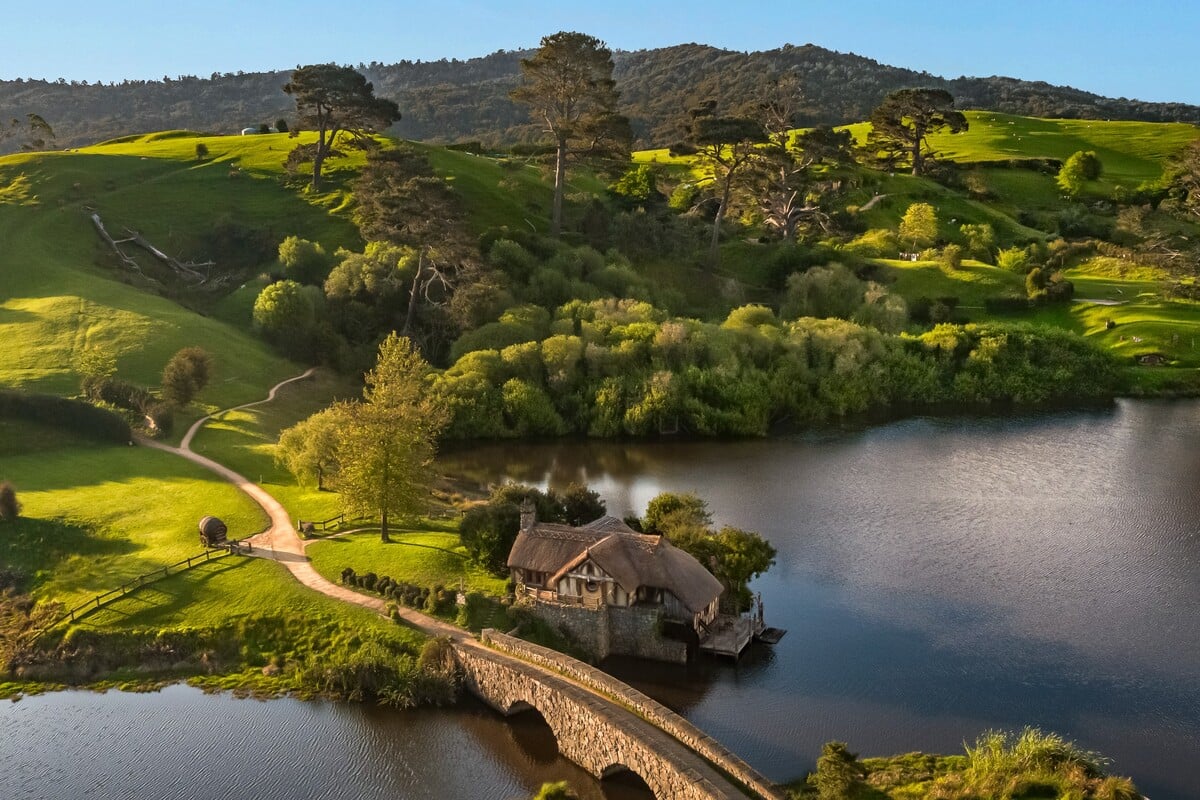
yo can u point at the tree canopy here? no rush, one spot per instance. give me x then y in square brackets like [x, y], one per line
[569, 88]
[335, 100]
[903, 121]
[724, 145]
[388, 440]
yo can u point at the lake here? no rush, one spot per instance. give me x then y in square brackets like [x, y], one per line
[937, 577]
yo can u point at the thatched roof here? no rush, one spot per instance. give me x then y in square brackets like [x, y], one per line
[632, 559]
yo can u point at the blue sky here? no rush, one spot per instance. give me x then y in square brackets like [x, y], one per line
[1134, 49]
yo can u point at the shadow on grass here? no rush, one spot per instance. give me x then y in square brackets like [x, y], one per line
[343, 538]
[168, 597]
[33, 545]
[83, 465]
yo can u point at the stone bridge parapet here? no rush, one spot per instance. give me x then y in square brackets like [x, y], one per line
[591, 730]
[657, 715]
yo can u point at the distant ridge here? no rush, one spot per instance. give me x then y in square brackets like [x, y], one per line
[453, 100]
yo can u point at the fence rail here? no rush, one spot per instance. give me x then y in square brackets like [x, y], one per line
[101, 600]
[307, 526]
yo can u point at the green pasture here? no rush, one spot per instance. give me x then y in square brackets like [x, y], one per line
[212, 594]
[424, 557]
[974, 283]
[1129, 295]
[250, 606]
[61, 293]
[96, 516]
[1131, 152]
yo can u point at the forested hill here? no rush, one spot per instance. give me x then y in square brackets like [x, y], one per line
[461, 100]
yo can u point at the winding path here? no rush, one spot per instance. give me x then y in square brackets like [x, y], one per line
[280, 541]
[594, 723]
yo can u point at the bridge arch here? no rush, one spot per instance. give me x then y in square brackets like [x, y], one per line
[592, 731]
[627, 778]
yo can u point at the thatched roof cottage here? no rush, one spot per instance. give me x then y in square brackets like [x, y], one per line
[607, 565]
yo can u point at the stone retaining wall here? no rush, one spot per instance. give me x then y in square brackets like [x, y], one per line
[609, 631]
[654, 712]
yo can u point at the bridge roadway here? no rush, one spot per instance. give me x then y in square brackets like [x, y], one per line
[599, 723]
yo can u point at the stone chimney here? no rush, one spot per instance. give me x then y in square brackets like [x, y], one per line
[528, 514]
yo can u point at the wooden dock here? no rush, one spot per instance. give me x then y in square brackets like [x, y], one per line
[728, 636]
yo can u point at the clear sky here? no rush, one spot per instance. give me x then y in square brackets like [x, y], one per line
[1144, 49]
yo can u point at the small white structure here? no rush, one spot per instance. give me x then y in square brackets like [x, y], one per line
[249, 131]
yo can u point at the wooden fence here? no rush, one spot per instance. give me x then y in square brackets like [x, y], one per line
[101, 600]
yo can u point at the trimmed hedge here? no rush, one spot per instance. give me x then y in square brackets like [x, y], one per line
[76, 416]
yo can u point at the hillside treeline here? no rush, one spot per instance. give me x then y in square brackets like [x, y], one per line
[452, 100]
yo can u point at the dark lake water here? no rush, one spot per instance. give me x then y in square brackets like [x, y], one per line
[938, 577]
[181, 744]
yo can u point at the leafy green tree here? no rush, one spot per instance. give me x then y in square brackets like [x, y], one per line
[829, 291]
[919, 226]
[1079, 168]
[1013, 259]
[10, 507]
[732, 555]
[981, 238]
[569, 88]
[488, 533]
[304, 261]
[952, 257]
[403, 202]
[201, 151]
[725, 147]
[281, 125]
[185, 375]
[901, 124]
[286, 313]
[637, 186]
[310, 448]
[670, 510]
[389, 439]
[335, 100]
[581, 504]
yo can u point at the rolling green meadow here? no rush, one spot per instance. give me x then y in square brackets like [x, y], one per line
[98, 515]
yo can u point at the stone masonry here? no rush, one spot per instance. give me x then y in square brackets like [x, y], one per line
[645, 708]
[610, 630]
[592, 731]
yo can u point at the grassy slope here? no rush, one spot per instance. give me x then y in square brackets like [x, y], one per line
[1131, 152]
[54, 298]
[96, 516]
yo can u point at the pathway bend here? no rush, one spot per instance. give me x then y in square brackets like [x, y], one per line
[282, 543]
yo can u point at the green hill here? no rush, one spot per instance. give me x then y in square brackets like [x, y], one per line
[62, 289]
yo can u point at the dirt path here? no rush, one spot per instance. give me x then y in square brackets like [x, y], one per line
[280, 541]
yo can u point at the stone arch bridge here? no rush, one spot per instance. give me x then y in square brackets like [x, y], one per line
[603, 725]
